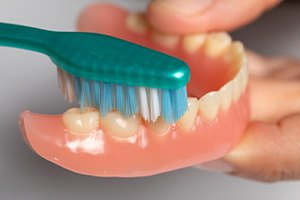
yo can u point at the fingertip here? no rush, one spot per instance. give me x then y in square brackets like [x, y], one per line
[169, 17]
[86, 16]
[96, 17]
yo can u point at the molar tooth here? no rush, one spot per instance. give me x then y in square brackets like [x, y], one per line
[136, 22]
[216, 43]
[159, 127]
[166, 40]
[226, 93]
[191, 43]
[115, 124]
[209, 105]
[81, 122]
[187, 121]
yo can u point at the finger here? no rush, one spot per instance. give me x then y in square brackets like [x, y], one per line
[269, 151]
[284, 68]
[274, 87]
[278, 68]
[190, 16]
[257, 64]
[272, 99]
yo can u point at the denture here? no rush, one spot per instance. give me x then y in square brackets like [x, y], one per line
[118, 146]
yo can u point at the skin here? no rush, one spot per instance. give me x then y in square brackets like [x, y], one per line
[270, 149]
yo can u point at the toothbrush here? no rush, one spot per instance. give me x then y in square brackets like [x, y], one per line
[108, 73]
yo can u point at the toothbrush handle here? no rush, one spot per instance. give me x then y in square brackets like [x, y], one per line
[24, 37]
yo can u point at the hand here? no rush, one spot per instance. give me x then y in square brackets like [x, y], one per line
[270, 149]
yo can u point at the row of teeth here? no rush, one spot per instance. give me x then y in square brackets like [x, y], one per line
[115, 124]
[213, 44]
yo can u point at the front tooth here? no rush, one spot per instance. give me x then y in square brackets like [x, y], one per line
[166, 40]
[136, 22]
[216, 43]
[187, 121]
[159, 127]
[244, 74]
[209, 105]
[115, 124]
[81, 122]
[226, 93]
[191, 43]
[237, 86]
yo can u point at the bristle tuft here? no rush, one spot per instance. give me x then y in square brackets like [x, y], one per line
[131, 103]
[107, 97]
[166, 104]
[143, 103]
[154, 104]
[120, 98]
[96, 94]
[179, 103]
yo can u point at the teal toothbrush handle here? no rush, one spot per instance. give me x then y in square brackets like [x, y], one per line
[24, 37]
[100, 57]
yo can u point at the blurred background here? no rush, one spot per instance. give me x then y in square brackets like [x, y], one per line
[28, 81]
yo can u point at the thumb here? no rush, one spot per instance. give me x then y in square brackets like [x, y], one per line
[269, 151]
[190, 16]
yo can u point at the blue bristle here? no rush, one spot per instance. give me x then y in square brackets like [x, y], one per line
[131, 102]
[96, 93]
[86, 95]
[107, 99]
[120, 99]
[77, 86]
[179, 102]
[166, 105]
[86, 91]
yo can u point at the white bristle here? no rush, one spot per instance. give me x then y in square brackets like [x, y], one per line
[154, 104]
[60, 79]
[69, 87]
[143, 103]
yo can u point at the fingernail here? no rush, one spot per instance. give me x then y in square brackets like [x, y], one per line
[215, 166]
[187, 7]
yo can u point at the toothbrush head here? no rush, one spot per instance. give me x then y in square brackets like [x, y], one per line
[113, 74]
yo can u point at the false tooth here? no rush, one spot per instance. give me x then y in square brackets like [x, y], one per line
[191, 43]
[216, 43]
[244, 74]
[237, 87]
[226, 93]
[234, 55]
[159, 127]
[209, 105]
[187, 121]
[81, 122]
[167, 40]
[136, 22]
[115, 124]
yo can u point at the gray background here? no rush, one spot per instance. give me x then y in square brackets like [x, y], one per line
[28, 81]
